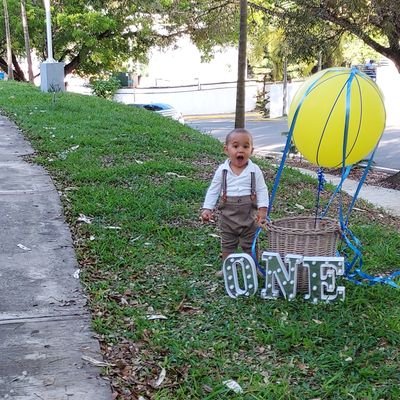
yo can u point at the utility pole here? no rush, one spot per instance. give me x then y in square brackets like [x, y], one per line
[48, 32]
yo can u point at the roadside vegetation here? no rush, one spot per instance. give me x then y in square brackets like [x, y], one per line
[132, 183]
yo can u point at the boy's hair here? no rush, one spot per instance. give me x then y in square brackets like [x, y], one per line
[238, 130]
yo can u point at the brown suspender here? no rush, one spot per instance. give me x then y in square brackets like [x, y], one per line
[224, 185]
[253, 195]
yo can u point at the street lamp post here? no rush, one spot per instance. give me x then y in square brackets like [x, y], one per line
[51, 71]
[48, 31]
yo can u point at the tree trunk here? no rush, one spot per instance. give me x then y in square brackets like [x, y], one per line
[8, 40]
[17, 72]
[242, 64]
[27, 40]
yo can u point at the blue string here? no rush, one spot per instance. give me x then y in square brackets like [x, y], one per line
[321, 184]
[321, 179]
[338, 188]
[360, 183]
[254, 251]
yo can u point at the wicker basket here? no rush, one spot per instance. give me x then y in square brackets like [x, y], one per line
[306, 236]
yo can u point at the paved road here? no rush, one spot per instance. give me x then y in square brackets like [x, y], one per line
[268, 135]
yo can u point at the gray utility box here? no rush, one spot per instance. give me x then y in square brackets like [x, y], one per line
[52, 76]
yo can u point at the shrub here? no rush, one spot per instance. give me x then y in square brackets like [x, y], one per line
[105, 88]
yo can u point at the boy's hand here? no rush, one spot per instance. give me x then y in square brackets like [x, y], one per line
[261, 215]
[206, 215]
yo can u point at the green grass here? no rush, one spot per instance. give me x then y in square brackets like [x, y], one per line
[141, 178]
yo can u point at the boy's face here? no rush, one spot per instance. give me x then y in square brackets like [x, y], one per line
[239, 149]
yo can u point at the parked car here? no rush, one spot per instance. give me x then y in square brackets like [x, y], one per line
[164, 109]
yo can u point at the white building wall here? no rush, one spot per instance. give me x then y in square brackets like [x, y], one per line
[182, 64]
[276, 97]
[388, 80]
[193, 100]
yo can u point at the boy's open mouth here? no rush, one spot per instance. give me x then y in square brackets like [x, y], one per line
[240, 158]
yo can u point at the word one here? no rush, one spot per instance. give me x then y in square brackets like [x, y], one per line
[314, 277]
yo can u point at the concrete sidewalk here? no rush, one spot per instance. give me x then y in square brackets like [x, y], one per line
[47, 350]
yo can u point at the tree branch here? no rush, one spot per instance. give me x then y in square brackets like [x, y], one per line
[323, 13]
[349, 26]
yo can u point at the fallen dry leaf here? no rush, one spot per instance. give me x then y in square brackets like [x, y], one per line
[160, 379]
[84, 218]
[156, 316]
[233, 385]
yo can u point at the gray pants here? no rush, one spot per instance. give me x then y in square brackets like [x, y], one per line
[237, 223]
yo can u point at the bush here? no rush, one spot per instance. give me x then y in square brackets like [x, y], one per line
[105, 88]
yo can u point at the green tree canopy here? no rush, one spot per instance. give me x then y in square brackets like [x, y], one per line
[95, 36]
[88, 36]
[375, 22]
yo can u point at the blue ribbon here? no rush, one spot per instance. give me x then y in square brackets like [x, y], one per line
[321, 184]
[360, 183]
[345, 174]
[254, 251]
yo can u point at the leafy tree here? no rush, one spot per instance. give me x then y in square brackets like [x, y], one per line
[375, 22]
[94, 36]
[355, 51]
[99, 36]
[8, 40]
[90, 37]
[18, 44]
[303, 36]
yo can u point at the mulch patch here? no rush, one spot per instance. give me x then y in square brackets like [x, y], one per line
[374, 177]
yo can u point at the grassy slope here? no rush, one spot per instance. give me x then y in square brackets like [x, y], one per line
[141, 179]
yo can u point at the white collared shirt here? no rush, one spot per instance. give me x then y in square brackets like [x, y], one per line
[237, 185]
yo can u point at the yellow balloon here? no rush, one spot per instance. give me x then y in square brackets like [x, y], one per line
[323, 104]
